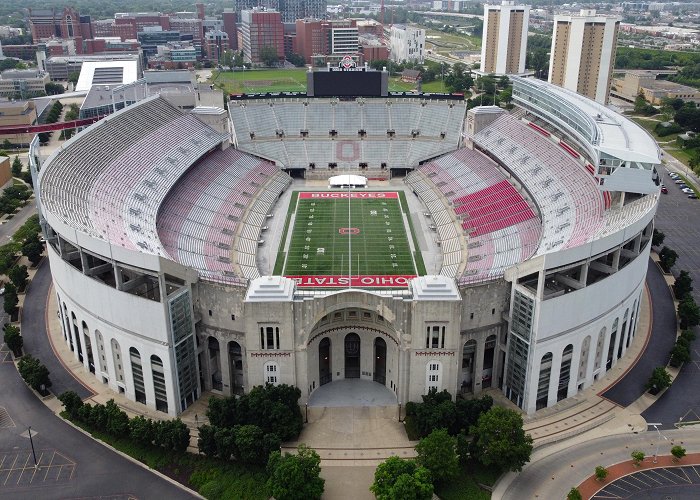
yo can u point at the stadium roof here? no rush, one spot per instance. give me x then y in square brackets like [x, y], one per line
[106, 72]
[613, 133]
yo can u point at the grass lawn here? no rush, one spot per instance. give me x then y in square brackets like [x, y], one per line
[319, 243]
[214, 479]
[444, 43]
[466, 485]
[260, 80]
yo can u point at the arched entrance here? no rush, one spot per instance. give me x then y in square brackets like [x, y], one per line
[324, 361]
[352, 355]
[379, 360]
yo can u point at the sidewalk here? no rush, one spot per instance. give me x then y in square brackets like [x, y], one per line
[101, 393]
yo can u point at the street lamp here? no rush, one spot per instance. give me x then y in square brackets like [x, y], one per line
[31, 442]
[656, 426]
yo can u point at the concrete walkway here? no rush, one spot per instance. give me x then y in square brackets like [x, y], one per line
[352, 392]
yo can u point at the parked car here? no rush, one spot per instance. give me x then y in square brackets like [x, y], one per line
[688, 191]
[682, 186]
[679, 181]
[664, 190]
[674, 176]
[693, 196]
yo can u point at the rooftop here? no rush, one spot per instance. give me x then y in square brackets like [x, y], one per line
[616, 135]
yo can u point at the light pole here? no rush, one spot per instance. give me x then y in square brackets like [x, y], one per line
[31, 442]
[656, 426]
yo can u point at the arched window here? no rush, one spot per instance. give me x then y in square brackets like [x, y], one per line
[583, 360]
[117, 360]
[565, 372]
[543, 382]
[137, 374]
[101, 355]
[88, 346]
[159, 383]
[271, 373]
[623, 334]
[599, 347]
[433, 376]
[611, 346]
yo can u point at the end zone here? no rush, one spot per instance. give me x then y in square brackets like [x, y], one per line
[334, 195]
[371, 281]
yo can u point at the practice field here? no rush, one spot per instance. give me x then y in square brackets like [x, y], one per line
[335, 235]
[260, 81]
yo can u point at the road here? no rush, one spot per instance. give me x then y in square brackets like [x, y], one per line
[71, 465]
[663, 336]
[552, 476]
[677, 218]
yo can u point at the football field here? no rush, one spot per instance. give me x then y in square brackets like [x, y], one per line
[362, 235]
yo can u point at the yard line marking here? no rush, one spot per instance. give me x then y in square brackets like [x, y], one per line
[11, 469]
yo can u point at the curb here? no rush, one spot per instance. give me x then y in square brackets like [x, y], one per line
[133, 460]
[99, 441]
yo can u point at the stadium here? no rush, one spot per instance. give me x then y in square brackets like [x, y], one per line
[351, 233]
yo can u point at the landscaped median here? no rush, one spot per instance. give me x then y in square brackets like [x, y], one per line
[599, 479]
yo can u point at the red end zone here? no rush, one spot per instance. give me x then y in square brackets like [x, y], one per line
[331, 195]
[392, 281]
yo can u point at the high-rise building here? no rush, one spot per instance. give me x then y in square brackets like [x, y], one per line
[505, 38]
[229, 18]
[290, 10]
[583, 53]
[261, 29]
[215, 44]
[407, 43]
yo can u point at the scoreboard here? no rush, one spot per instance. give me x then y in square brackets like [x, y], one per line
[350, 82]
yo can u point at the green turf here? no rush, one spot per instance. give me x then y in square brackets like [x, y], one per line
[380, 248]
[260, 80]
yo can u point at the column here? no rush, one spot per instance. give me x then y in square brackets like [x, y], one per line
[226, 382]
[479, 364]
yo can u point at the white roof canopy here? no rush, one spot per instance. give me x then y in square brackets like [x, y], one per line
[347, 180]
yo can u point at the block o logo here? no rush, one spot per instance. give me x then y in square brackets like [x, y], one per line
[349, 230]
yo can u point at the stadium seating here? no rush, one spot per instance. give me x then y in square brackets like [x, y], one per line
[502, 227]
[422, 129]
[208, 206]
[574, 205]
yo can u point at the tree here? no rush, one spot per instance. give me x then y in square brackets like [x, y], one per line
[71, 402]
[268, 56]
[253, 445]
[667, 258]
[141, 429]
[574, 494]
[53, 88]
[296, 60]
[499, 439]
[683, 285]
[437, 453]
[680, 353]
[10, 299]
[73, 77]
[33, 372]
[399, 479]
[637, 457]
[33, 248]
[659, 380]
[601, 473]
[16, 167]
[295, 477]
[13, 339]
[657, 238]
[678, 452]
[19, 276]
[688, 313]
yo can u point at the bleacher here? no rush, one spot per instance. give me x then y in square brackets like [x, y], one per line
[153, 179]
[466, 190]
[217, 211]
[384, 132]
[572, 206]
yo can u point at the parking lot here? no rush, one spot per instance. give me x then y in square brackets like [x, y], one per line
[677, 483]
[17, 468]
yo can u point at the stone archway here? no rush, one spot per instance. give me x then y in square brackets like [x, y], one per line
[325, 373]
[379, 374]
[353, 346]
